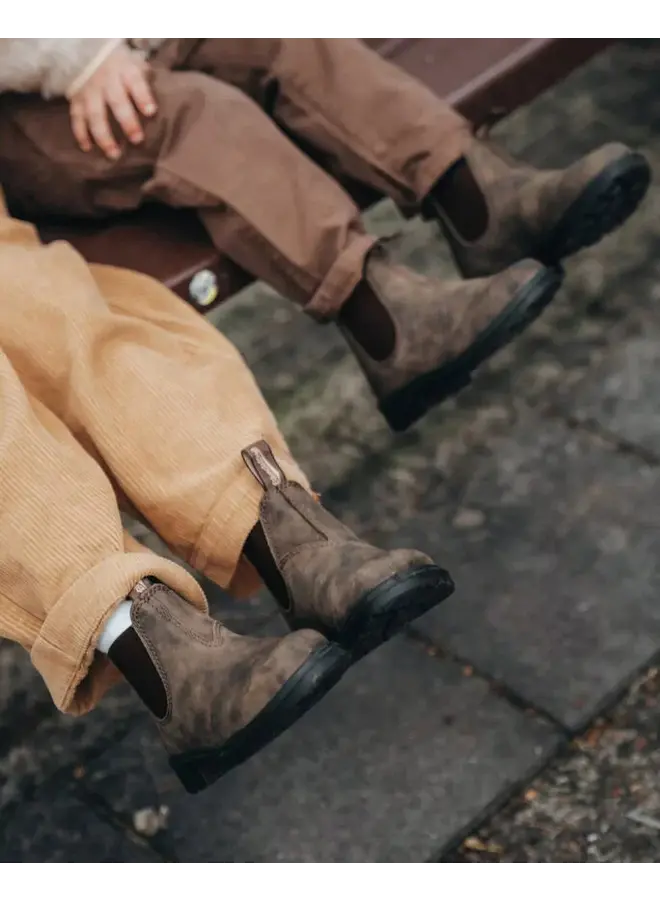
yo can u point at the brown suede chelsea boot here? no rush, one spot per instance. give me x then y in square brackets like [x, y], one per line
[355, 594]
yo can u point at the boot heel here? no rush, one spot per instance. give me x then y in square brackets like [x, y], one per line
[388, 608]
[403, 408]
[196, 774]
[408, 404]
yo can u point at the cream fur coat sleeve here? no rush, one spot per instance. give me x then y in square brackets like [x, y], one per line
[49, 62]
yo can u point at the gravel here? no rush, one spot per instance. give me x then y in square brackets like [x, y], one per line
[598, 802]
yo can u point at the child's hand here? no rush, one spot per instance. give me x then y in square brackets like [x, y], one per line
[119, 84]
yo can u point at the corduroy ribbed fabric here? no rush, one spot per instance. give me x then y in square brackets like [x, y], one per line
[110, 385]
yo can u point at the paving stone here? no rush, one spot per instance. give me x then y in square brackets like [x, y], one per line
[58, 743]
[24, 699]
[558, 578]
[405, 752]
[36, 741]
[57, 827]
[587, 106]
[597, 803]
[621, 395]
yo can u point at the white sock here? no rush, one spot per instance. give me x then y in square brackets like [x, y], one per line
[117, 624]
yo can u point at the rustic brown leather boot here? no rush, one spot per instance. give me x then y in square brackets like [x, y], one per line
[444, 329]
[543, 214]
[356, 595]
[225, 696]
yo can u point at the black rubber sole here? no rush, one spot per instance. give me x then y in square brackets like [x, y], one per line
[604, 205]
[385, 610]
[319, 673]
[410, 403]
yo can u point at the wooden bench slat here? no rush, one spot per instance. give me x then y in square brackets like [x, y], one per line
[170, 245]
[520, 74]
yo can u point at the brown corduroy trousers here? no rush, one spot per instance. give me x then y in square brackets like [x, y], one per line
[233, 115]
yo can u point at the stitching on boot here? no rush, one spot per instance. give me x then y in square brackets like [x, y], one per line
[167, 615]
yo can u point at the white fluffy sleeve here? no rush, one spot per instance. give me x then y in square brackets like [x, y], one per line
[48, 66]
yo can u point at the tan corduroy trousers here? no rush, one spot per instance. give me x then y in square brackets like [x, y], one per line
[111, 387]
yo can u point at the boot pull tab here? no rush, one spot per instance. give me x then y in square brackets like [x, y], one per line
[260, 461]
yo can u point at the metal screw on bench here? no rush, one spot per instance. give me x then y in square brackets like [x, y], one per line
[203, 288]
